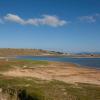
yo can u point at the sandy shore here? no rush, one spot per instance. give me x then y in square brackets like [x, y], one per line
[66, 72]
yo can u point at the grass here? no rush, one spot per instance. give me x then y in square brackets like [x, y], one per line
[7, 65]
[28, 61]
[20, 52]
[52, 90]
[37, 89]
[4, 66]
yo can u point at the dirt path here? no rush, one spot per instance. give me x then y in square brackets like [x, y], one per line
[69, 73]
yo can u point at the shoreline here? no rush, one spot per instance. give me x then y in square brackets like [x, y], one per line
[80, 65]
[66, 72]
[2, 57]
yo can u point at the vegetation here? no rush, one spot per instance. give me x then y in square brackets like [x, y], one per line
[27, 52]
[26, 88]
[50, 90]
[7, 65]
[56, 52]
[17, 52]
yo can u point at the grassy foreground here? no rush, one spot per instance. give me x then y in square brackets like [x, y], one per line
[36, 89]
[51, 90]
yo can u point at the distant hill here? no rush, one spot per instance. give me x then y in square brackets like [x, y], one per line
[16, 52]
[88, 53]
[27, 52]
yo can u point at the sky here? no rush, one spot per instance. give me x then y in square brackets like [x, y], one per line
[63, 25]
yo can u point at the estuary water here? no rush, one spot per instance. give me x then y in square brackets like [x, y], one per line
[85, 62]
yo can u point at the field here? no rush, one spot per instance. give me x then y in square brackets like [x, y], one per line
[43, 80]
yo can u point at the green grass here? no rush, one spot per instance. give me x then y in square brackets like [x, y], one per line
[46, 90]
[34, 62]
[6, 65]
[52, 90]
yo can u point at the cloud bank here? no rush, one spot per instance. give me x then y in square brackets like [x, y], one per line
[49, 20]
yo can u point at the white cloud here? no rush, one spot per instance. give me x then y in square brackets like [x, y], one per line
[14, 18]
[45, 20]
[52, 21]
[90, 19]
[32, 22]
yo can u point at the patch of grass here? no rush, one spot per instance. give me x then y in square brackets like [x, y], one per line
[30, 63]
[52, 90]
[6, 65]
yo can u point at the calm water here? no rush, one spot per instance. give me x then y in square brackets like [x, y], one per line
[88, 62]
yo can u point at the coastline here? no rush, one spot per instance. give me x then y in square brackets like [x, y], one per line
[57, 59]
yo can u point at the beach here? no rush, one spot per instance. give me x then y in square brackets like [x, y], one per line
[67, 72]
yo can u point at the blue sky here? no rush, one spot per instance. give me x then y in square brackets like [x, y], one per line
[63, 25]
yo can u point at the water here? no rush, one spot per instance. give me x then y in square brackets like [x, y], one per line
[86, 62]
